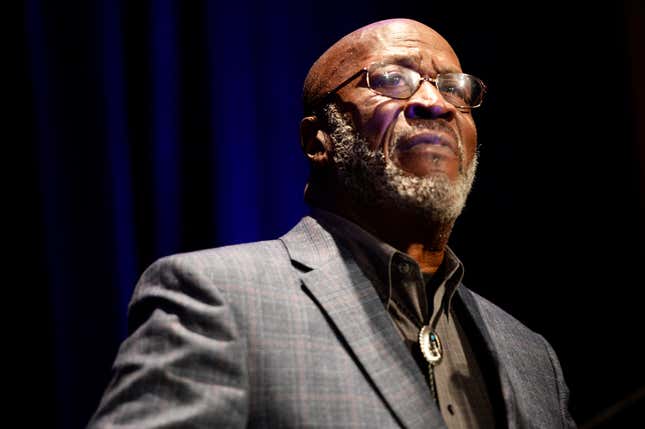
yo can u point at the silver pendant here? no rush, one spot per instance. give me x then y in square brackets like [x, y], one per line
[430, 345]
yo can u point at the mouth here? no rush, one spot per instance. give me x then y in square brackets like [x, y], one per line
[435, 141]
[427, 151]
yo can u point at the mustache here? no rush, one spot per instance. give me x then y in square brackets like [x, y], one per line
[437, 125]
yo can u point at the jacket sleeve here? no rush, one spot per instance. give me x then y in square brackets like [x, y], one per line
[183, 363]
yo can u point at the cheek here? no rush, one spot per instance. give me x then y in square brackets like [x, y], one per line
[469, 137]
[376, 120]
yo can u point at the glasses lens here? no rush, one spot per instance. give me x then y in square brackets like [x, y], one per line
[392, 80]
[460, 89]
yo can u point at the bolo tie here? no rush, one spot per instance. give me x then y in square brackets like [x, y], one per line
[430, 346]
[432, 352]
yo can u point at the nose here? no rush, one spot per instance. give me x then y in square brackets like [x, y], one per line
[428, 103]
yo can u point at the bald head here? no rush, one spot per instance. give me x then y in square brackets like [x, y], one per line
[349, 54]
[421, 144]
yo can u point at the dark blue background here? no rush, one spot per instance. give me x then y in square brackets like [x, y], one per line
[145, 128]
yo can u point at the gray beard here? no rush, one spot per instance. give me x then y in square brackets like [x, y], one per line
[374, 181]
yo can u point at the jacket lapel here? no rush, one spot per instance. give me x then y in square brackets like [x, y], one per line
[505, 381]
[349, 299]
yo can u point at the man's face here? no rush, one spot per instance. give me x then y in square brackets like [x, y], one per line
[375, 181]
[418, 152]
[423, 135]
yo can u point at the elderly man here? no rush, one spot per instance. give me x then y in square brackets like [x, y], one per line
[357, 317]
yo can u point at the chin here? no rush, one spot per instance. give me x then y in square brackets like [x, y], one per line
[434, 196]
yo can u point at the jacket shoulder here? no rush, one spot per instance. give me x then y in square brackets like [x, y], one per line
[249, 265]
[250, 258]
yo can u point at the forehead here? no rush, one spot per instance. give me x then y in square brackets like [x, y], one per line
[399, 40]
[409, 43]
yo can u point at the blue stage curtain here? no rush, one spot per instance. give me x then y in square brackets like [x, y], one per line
[159, 127]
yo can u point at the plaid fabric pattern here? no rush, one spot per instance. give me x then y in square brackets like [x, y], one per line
[283, 333]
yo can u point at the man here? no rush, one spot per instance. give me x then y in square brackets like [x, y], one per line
[357, 317]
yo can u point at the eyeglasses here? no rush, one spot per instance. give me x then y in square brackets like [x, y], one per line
[462, 90]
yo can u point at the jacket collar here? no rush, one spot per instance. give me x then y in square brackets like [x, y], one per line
[472, 307]
[343, 292]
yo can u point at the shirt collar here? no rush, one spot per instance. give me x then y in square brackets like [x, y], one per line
[389, 269]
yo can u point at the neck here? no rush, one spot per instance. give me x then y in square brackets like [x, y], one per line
[429, 259]
[423, 240]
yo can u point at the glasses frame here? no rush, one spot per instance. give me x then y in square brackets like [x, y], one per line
[433, 81]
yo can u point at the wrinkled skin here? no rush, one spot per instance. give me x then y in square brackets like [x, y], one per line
[423, 135]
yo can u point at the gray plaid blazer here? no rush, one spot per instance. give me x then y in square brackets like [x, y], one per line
[290, 333]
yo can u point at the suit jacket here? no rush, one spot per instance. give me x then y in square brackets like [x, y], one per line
[290, 333]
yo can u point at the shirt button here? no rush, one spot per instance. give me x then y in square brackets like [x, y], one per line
[404, 268]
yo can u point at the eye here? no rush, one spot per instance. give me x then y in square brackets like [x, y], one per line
[456, 89]
[391, 80]
[387, 79]
[461, 89]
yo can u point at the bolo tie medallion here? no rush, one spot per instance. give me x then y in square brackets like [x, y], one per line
[430, 345]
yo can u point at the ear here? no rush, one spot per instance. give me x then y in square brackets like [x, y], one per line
[315, 142]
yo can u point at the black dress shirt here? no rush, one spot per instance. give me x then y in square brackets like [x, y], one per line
[414, 299]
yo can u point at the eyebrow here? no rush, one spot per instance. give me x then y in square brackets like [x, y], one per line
[411, 61]
[414, 62]
[449, 69]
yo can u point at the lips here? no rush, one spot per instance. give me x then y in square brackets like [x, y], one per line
[428, 148]
[430, 140]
